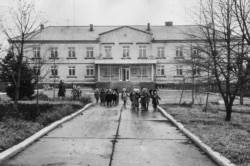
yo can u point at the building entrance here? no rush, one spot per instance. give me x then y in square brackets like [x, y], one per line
[124, 74]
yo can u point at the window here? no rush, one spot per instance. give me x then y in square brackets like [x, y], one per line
[160, 70]
[72, 53]
[125, 51]
[160, 52]
[90, 52]
[142, 51]
[196, 71]
[72, 70]
[179, 52]
[108, 51]
[54, 52]
[90, 70]
[144, 71]
[54, 70]
[36, 70]
[179, 71]
[36, 52]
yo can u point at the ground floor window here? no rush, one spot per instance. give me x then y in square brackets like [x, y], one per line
[196, 71]
[54, 70]
[72, 70]
[36, 70]
[179, 70]
[90, 70]
[160, 70]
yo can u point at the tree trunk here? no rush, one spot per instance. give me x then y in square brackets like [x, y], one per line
[15, 106]
[228, 112]
[241, 95]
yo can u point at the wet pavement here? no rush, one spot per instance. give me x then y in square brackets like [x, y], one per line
[113, 136]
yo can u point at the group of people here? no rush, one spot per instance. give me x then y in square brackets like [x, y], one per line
[110, 98]
[143, 96]
[75, 92]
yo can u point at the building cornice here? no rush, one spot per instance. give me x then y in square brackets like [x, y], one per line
[58, 41]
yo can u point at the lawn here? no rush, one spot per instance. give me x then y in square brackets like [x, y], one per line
[232, 139]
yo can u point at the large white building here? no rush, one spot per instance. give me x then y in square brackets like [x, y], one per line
[111, 56]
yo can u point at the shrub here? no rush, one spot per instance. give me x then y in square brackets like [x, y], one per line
[42, 96]
[10, 70]
[85, 99]
[54, 115]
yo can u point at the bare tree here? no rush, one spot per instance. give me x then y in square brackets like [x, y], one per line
[242, 15]
[220, 47]
[19, 25]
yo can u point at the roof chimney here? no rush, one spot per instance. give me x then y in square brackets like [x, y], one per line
[41, 26]
[148, 27]
[91, 27]
[169, 23]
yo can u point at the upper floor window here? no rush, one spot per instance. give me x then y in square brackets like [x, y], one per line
[160, 71]
[160, 52]
[90, 52]
[142, 51]
[90, 70]
[125, 51]
[179, 71]
[179, 52]
[36, 52]
[195, 53]
[54, 70]
[72, 70]
[108, 51]
[54, 52]
[72, 53]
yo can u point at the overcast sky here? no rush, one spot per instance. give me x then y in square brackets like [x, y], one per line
[114, 12]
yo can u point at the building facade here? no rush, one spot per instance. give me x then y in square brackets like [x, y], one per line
[111, 55]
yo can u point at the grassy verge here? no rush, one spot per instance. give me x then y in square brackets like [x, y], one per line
[17, 126]
[232, 139]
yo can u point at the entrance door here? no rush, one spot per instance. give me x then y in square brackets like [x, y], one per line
[124, 74]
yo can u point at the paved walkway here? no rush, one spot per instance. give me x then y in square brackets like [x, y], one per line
[113, 136]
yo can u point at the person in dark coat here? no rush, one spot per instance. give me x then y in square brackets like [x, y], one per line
[103, 97]
[155, 99]
[109, 98]
[144, 99]
[62, 90]
[114, 97]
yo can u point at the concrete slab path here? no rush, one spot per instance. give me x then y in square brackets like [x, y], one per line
[113, 136]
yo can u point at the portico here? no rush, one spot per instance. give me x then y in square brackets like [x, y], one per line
[125, 70]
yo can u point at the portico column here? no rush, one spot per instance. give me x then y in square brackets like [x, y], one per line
[110, 73]
[98, 72]
[141, 73]
[152, 74]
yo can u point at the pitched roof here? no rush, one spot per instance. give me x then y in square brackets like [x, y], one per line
[81, 33]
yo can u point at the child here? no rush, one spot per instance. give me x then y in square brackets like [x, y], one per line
[97, 95]
[136, 99]
[132, 98]
[74, 92]
[124, 97]
[155, 99]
